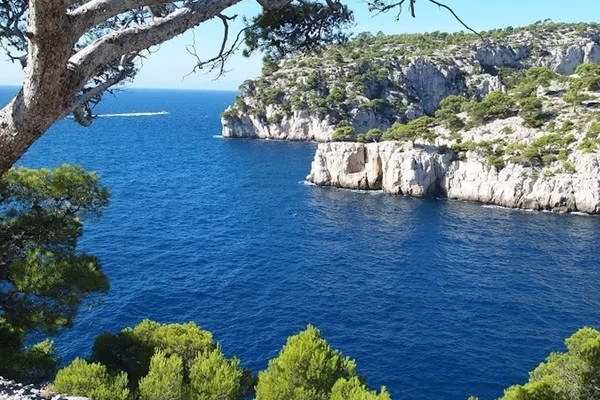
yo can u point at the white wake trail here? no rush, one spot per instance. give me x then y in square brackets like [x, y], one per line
[138, 114]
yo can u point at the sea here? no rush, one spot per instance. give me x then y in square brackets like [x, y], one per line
[433, 298]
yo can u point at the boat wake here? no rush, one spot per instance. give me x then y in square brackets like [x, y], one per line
[138, 114]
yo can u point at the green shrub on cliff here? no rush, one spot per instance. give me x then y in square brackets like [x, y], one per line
[229, 113]
[213, 376]
[270, 65]
[164, 379]
[343, 131]
[447, 113]
[274, 96]
[417, 128]
[568, 167]
[591, 141]
[132, 349]
[531, 79]
[494, 150]
[373, 135]
[377, 105]
[588, 145]
[312, 80]
[336, 95]
[588, 77]
[544, 150]
[593, 131]
[530, 109]
[354, 389]
[496, 105]
[275, 118]
[452, 103]
[541, 76]
[511, 77]
[575, 97]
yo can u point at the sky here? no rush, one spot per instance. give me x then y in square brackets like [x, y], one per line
[169, 64]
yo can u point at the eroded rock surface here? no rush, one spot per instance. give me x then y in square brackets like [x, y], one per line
[11, 390]
[420, 170]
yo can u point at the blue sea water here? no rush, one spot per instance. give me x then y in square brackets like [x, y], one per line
[435, 299]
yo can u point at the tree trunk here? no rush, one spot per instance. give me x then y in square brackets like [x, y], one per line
[46, 90]
[18, 130]
[12, 144]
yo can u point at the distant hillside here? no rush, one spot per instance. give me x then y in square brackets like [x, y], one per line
[376, 81]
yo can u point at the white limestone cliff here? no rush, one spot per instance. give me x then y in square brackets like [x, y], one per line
[298, 126]
[424, 82]
[419, 170]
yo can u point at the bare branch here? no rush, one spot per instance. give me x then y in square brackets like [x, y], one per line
[12, 29]
[218, 61]
[455, 16]
[224, 19]
[382, 6]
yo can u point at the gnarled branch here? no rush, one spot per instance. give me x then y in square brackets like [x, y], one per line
[93, 13]
[92, 58]
[218, 61]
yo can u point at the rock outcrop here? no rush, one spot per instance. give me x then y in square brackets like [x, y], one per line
[377, 81]
[420, 170]
[300, 125]
[11, 390]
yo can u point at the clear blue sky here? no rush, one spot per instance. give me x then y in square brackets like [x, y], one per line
[167, 67]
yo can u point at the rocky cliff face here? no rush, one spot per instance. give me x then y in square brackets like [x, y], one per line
[377, 81]
[420, 170]
[300, 125]
[546, 156]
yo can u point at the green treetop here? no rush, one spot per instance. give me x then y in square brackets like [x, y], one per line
[307, 368]
[157, 362]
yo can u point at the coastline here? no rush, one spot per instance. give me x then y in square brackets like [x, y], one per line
[424, 171]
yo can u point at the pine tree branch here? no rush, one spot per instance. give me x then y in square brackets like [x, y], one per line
[111, 47]
[89, 15]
